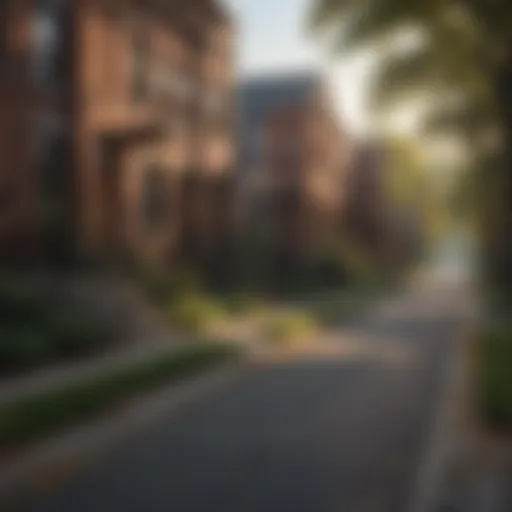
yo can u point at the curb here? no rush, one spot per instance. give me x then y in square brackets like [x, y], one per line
[477, 478]
[442, 445]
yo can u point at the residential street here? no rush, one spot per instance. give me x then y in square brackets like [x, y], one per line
[255, 256]
[343, 429]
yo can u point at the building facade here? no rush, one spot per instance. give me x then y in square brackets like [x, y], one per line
[116, 132]
[291, 162]
[367, 211]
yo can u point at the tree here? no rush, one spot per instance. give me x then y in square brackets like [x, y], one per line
[463, 60]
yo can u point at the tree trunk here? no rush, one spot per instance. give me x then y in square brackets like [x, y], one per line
[499, 249]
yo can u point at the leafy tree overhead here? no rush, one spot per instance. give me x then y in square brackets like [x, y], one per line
[461, 60]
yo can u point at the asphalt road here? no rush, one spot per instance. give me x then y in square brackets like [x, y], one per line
[344, 428]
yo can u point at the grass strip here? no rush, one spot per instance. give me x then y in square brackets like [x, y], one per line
[41, 413]
[494, 378]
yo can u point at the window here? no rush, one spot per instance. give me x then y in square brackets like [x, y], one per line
[141, 70]
[255, 146]
[154, 198]
[3, 32]
[50, 29]
[51, 154]
[3, 28]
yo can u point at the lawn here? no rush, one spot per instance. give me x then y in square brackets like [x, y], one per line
[37, 329]
[44, 412]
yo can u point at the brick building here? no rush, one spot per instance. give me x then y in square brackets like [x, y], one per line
[291, 162]
[116, 133]
[366, 215]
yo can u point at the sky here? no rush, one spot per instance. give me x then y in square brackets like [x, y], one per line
[272, 35]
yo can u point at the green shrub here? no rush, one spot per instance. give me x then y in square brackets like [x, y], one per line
[63, 333]
[330, 311]
[22, 347]
[157, 287]
[21, 302]
[36, 328]
[329, 269]
[494, 377]
[498, 302]
[70, 333]
[194, 312]
[162, 287]
[241, 303]
[359, 265]
[254, 260]
[332, 267]
[290, 328]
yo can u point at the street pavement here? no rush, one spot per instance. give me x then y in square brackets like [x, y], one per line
[342, 428]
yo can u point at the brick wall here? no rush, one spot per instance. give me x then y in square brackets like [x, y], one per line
[160, 131]
[114, 132]
[303, 153]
